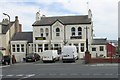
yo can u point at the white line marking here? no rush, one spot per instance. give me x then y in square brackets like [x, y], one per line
[19, 75]
[30, 75]
[1, 75]
[9, 75]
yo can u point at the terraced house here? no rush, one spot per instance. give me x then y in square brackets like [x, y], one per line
[55, 32]
[7, 30]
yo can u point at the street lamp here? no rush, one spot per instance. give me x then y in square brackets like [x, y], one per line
[9, 37]
[8, 16]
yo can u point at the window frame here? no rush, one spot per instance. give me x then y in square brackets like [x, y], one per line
[57, 31]
[73, 31]
[101, 48]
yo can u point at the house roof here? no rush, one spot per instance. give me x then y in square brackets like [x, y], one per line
[6, 27]
[113, 41]
[23, 36]
[102, 41]
[66, 20]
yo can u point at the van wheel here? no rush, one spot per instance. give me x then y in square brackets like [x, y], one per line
[53, 60]
[64, 61]
[74, 61]
[44, 62]
[35, 60]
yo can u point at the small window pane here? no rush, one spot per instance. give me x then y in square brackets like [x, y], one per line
[93, 49]
[101, 48]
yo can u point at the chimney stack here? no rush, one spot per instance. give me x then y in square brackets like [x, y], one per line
[20, 28]
[16, 18]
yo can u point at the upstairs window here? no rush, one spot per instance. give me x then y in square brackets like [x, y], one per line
[47, 32]
[41, 32]
[57, 32]
[79, 31]
[73, 31]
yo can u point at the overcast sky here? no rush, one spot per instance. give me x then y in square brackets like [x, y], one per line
[105, 12]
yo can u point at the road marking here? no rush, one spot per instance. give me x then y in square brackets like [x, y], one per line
[29, 75]
[1, 75]
[9, 75]
[19, 75]
[4, 66]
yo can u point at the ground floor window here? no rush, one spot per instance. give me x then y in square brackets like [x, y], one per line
[77, 46]
[22, 48]
[93, 49]
[101, 48]
[40, 48]
[35, 47]
[46, 46]
[57, 47]
[82, 47]
[18, 48]
[13, 47]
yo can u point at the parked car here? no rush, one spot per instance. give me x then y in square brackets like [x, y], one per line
[32, 57]
[6, 60]
[50, 56]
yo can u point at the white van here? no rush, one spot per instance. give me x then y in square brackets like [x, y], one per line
[69, 53]
[50, 55]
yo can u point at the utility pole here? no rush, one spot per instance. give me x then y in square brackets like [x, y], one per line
[86, 38]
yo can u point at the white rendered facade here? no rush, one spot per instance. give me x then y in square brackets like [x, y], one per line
[57, 35]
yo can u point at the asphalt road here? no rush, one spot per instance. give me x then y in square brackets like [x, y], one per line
[59, 70]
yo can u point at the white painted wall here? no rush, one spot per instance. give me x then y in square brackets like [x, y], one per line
[57, 24]
[19, 55]
[93, 53]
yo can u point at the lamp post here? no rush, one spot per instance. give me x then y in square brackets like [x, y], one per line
[9, 37]
[86, 39]
[8, 16]
[87, 54]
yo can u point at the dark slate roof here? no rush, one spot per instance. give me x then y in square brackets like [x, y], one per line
[102, 41]
[6, 27]
[66, 20]
[23, 36]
